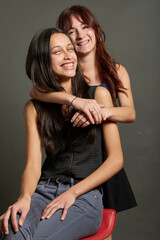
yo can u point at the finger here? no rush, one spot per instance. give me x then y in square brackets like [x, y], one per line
[22, 218]
[95, 115]
[95, 110]
[89, 116]
[64, 213]
[99, 111]
[82, 122]
[100, 117]
[47, 211]
[51, 212]
[14, 218]
[5, 221]
[86, 124]
[75, 116]
[1, 225]
[1, 228]
[102, 112]
[78, 120]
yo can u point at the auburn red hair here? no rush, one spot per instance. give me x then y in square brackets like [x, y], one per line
[106, 65]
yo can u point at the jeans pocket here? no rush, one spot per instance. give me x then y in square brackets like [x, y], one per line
[93, 198]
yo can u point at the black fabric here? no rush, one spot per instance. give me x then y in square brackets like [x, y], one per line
[80, 159]
[77, 160]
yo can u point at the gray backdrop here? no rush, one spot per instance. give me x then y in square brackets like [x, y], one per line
[133, 37]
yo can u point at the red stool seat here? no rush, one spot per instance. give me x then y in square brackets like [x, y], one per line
[107, 225]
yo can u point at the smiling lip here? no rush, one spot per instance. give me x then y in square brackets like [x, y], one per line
[82, 43]
[68, 66]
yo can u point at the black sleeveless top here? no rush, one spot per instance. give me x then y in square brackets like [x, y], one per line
[80, 159]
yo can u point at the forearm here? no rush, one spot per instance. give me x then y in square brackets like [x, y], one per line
[29, 182]
[52, 97]
[109, 168]
[125, 114]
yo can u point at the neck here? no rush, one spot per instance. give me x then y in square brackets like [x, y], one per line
[89, 68]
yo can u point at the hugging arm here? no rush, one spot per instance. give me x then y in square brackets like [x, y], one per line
[112, 165]
[81, 104]
[30, 175]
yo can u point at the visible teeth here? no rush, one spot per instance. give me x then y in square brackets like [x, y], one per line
[68, 64]
[80, 44]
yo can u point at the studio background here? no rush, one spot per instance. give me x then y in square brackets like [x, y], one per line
[133, 36]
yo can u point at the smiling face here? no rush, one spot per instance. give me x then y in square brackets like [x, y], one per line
[83, 36]
[63, 56]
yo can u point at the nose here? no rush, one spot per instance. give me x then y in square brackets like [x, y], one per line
[67, 55]
[79, 34]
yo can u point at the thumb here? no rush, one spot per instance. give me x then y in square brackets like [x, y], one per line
[101, 105]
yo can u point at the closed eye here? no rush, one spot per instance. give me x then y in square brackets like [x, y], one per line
[56, 52]
[85, 26]
[70, 49]
[71, 32]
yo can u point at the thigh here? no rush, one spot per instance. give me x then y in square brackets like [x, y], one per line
[42, 196]
[83, 219]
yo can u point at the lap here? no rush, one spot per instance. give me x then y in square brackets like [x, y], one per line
[83, 217]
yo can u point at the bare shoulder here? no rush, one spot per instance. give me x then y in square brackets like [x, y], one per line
[103, 96]
[121, 70]
[30, 111]
[123, 75]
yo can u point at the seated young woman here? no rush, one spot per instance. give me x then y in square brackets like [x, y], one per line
[63, 199]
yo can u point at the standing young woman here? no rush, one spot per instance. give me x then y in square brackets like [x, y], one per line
[97, 65]
[67, 202]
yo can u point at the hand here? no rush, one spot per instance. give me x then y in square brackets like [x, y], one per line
[91, 108]
[80, 120]
[22, 207]
[64, 201]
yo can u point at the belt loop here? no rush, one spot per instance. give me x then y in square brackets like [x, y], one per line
[72, 181]
[48, 181]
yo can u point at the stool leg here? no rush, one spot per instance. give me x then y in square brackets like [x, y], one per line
[108, 238]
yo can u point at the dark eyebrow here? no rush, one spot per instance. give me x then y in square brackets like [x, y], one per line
[60, 46]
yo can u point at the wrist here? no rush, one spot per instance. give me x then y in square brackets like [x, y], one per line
[108, 113]
[73, 100]
[25, 196]
[75, 191]
[70, 99]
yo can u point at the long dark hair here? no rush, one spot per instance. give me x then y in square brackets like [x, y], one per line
[50, 120]
[105, 63]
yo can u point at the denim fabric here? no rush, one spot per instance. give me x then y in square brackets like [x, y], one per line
[83, 217]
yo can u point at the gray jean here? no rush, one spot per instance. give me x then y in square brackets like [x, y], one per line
[83, 217]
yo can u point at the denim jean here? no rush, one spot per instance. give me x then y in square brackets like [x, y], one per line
[83, 217]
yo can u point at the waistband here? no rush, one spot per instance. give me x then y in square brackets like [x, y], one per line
[62, 179]
[66, 180]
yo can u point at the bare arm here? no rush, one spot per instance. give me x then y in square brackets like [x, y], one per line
[111, 166]
[83, 105]
[30, 175]
[126, 111]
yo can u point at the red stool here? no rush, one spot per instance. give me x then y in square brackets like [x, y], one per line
[107, 225]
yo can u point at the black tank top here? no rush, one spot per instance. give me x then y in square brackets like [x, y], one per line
[78, 159]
